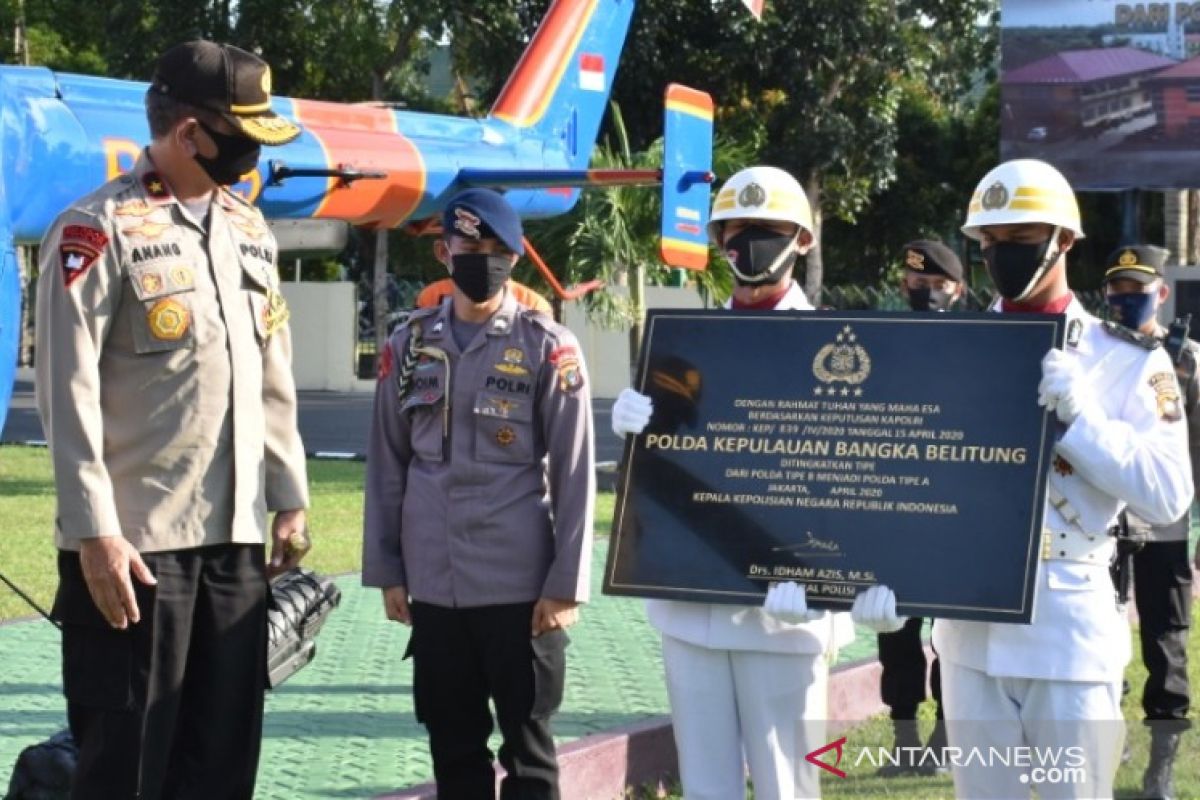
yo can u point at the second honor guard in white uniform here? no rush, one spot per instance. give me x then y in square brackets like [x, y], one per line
[1055, 685]
[748, 684]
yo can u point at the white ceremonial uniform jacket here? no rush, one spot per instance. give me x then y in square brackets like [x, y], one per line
[1130, 448]
[728, 627]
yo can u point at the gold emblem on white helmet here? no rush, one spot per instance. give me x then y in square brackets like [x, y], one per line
[1023, 191]
[760, 193]
[995, 197]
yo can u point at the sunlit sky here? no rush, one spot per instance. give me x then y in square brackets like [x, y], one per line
[1021, 13]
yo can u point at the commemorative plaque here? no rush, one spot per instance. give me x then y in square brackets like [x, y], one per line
[838, 450]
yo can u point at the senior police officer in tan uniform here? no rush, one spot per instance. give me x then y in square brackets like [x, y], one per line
[481, 406]
[165, 388]
[1134, 289]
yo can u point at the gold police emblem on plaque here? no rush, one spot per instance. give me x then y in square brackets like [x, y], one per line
[995, 197]
[275, 313]
[752, 195]
[843, 361]
[168, 319]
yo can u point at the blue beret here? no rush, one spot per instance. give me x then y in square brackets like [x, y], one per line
[483, 214]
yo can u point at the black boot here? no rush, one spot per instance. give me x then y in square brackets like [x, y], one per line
[1158, 783]
[907, 750]
[934, 761]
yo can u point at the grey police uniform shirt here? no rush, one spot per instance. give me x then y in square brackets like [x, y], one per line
[164, 377]
[1189, 384]
[480, 484]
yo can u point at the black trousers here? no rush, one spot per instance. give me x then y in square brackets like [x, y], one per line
[902, 684]
[171, 707]
[1162, 589]
[461, 658]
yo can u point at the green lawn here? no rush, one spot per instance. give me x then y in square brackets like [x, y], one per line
[27, 557]
[27, 523]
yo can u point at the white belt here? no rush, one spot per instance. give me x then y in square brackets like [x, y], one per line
[1084, 548]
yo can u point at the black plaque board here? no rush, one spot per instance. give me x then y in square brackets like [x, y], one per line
[839, 450]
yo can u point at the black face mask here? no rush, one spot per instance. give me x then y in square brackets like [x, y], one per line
[480, 276]
[923, 298]
[1017, 268]
[236, 155]
[760, 255]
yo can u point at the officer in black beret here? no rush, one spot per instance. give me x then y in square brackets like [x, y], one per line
[1134, 288]
[933, 276]
[932, 281]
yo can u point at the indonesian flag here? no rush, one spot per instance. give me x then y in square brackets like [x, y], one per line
[591, 72]
[755, 6]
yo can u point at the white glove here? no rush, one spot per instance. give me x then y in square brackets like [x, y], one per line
[631, 412]
[786, 602]
[876, 609]
[1064, 388]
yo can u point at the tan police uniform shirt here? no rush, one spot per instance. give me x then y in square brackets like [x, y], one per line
[1189, 385]
[164, 370]
[481, 481]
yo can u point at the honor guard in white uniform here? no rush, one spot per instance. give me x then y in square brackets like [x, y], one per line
[748, 684]
[1054, 685]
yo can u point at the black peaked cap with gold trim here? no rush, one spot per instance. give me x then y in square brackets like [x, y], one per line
[228, 81]
[1137, 262]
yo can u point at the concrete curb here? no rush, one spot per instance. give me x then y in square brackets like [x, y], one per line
[603, 765]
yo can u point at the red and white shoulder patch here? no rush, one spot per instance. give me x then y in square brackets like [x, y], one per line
[78, 249]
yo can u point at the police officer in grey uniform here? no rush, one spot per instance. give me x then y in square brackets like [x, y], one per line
[165, 388]
[480, 407]
[1162, 574]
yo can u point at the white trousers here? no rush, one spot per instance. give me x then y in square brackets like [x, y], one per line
[735, 707]
[1062, 737]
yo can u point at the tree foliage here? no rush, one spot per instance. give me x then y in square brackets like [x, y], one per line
[815, 88]
[867, 103]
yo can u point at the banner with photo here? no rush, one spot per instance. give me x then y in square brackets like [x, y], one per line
[1108, 92]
